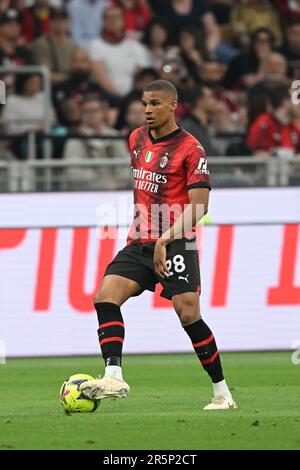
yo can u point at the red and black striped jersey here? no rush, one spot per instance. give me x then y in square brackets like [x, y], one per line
[164, 170]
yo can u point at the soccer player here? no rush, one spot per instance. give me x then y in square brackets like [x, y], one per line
[171, 192]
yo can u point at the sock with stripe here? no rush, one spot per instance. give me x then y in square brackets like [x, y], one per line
[111, 337]
[206, 349]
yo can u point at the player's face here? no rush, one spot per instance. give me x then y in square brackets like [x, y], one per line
[159, 108]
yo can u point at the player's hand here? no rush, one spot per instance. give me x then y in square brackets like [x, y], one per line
[160, 259]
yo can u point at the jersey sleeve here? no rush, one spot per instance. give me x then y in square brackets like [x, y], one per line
[197, 173]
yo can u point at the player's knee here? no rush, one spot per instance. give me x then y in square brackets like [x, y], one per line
[99, 298]
[188, 317]
[187, 309]
[110, 291]
[103, 295]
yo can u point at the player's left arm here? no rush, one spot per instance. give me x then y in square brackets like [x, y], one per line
[192, 214]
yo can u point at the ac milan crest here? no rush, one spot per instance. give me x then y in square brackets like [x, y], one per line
[164, 160]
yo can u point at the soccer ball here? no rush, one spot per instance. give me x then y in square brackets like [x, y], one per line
[70, 397]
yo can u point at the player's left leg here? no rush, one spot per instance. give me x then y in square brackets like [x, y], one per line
[187, 308]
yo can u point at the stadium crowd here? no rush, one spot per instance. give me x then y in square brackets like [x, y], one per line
[232, 61]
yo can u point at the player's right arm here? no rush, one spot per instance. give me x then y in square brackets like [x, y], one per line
[198, 186]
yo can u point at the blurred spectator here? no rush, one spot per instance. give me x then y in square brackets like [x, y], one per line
[224, 122]
[289, 10]
[191, 51]
[157, 38]
[69, 121]
[27, 110]
[192, 12]
[12, 52]
[80, 82]
[275, 132]
[15, 4]
[245, 69]
[291, 50]
[93, 124]
[116, 58]
[221, 10]
[229, 128]
[198, 122]
[134, 117]
[4, 5]
[212, 75]
[36, 20]
[137, 15]
[86, 19]
[274, 69]
[173, 71]
[69, 115]
[182, 13]
[55, 49]
[249, 15]
[274, 73]
[141, 79]
[22, 4]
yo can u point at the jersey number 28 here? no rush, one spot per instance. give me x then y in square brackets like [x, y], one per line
[178, 263]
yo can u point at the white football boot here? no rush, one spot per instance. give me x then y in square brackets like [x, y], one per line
[104, 388]
[221, 402]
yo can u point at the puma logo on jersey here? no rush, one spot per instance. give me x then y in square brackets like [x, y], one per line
[184, 278]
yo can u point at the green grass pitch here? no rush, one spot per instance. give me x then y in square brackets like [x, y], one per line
[164, 409]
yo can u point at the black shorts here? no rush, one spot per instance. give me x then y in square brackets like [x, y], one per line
[136, 262]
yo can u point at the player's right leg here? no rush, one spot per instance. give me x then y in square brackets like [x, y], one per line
[113, 292]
